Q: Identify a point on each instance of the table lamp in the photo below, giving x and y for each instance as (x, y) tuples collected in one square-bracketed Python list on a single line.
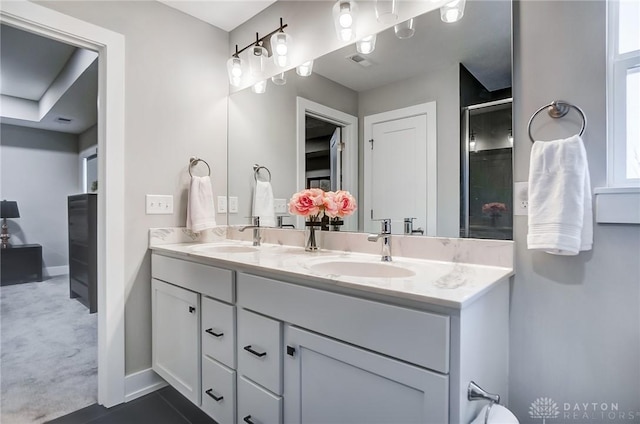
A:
[(8, 209)]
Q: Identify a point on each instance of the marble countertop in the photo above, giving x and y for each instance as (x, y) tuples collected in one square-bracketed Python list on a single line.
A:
[(449, 284)]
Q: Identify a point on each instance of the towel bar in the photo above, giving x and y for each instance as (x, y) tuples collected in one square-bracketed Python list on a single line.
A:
[(193, 161), (256, 171), (558, 109)]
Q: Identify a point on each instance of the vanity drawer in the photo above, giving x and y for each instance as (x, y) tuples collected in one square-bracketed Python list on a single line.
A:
[(418, 337), (208, 280), (218, 391), (257, 405), (219, 331), (260, 349)]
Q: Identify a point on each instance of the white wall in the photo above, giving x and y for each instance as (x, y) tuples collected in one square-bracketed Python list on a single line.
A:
[(575, 321), (176, 107), (39, 170)]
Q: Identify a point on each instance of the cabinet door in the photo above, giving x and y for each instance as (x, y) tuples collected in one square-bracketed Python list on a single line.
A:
[(327, 381), (256, 405), (176, 342)]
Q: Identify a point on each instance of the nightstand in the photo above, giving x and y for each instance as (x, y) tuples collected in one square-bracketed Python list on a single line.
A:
[(21, 263)]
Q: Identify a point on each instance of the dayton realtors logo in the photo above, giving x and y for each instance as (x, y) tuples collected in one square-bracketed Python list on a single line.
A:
[(546, 408)]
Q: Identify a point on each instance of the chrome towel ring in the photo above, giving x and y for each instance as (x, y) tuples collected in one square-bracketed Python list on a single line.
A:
[(193, 161), (558, 109), (256, 172)]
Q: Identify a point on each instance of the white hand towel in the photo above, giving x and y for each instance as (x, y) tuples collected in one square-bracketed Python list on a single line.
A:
[(201, 213), (560, 215), (263, 204)]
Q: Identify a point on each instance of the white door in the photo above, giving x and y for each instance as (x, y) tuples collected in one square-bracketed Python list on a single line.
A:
[(397, 177), (329, 382), (335, 149)]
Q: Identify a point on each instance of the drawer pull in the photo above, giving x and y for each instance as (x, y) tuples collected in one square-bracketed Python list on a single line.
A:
[(216, 398), (214, 334), (258, 354), (192, 309), (247, 420)]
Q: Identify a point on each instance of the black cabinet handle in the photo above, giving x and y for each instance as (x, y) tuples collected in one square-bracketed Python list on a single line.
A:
[(247, 420), (214, 334), (216, 398), (258, 354), (192, 309)]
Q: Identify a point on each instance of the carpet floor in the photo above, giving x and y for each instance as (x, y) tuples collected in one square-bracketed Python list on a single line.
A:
[(48, 360)]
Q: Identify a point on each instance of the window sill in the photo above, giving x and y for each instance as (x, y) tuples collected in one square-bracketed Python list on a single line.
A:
[(617, 205)]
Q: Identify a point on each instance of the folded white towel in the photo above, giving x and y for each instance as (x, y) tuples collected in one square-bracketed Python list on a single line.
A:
[(560, 215), (263, 204), (201, 213)]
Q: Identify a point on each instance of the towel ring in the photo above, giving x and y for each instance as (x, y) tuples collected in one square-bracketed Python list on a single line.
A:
[(256, 171), (558, 109), (193, 161)]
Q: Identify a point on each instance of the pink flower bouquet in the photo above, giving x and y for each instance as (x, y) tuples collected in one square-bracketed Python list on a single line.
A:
[(494, 208), (313, 203)]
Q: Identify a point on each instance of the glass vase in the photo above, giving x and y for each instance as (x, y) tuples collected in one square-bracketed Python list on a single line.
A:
[(312, 235)]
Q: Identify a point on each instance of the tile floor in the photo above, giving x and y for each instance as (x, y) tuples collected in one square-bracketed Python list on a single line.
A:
[(164, 406)]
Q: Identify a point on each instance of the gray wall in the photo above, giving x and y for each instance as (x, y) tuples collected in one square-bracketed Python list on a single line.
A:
[(176, 107), (441, 87), (262, 129), (39, 171), (88, 138), (575, 321)]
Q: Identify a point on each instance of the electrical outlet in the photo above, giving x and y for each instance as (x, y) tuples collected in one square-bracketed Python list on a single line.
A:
[(158, 204), (280, 205), (233, 204), (222, 204), (521, 198)]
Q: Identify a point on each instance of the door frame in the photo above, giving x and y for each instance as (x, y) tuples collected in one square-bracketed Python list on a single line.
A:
[(349, 124), (428, 109), (110, 46)]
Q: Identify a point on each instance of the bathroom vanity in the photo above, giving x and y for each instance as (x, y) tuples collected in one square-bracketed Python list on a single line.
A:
[(271, 334)]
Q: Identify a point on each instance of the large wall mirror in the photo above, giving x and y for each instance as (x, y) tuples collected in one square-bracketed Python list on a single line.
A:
[(388, 126)]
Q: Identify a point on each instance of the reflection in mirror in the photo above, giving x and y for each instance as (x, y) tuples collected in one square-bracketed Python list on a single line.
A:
[(408, 95)]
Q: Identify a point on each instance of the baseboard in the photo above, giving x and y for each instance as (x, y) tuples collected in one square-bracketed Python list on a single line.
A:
[(141, 383), (53, 271)]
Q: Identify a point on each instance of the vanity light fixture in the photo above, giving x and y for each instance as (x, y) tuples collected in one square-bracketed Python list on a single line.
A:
[(405, 29), (345, 17), (305, 69), (279, 79), (386, 11), (452, 12), (280, 45), (366, 45), (260, 87)]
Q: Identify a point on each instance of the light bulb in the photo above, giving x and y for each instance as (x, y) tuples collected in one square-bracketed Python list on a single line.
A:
[(234, 69), (305, 69), (345, 18), (452, 11), (280, 43), (260, 87), (366, 45)]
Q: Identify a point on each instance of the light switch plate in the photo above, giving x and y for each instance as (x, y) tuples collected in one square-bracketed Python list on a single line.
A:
[(280, 205), (233, 204), (159, 204), (222, 204), (521, 198)]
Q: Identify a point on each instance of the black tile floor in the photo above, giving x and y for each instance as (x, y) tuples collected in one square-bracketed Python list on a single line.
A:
[(164, 406)]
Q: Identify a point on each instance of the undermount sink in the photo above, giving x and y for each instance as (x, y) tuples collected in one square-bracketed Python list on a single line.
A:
[(361, 269), (225, 248)]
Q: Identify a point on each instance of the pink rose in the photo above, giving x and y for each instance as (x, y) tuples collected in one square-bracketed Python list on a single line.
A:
[(306, 202), (330, 204), (346, 203)]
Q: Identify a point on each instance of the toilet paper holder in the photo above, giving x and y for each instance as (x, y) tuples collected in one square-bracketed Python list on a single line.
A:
[(475, 392)]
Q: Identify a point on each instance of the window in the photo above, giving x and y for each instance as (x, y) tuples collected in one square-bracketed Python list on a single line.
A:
[(624, 93)]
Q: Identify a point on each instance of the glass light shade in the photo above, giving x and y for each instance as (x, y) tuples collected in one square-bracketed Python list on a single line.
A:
[(234, 69), (366, 45), (345, 18), (260, 87), (257, 55), (405, 29), (453, 11), (305, 69), (280, 45), (279, 79), (386, 11)]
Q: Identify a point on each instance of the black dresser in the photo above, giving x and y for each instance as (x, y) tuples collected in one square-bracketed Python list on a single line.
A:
[(20, 263), (83, 255)]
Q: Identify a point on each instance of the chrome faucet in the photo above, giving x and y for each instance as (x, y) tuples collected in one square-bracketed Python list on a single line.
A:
[(385, 235), (408, 227), (281, 224), (256, 230)]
